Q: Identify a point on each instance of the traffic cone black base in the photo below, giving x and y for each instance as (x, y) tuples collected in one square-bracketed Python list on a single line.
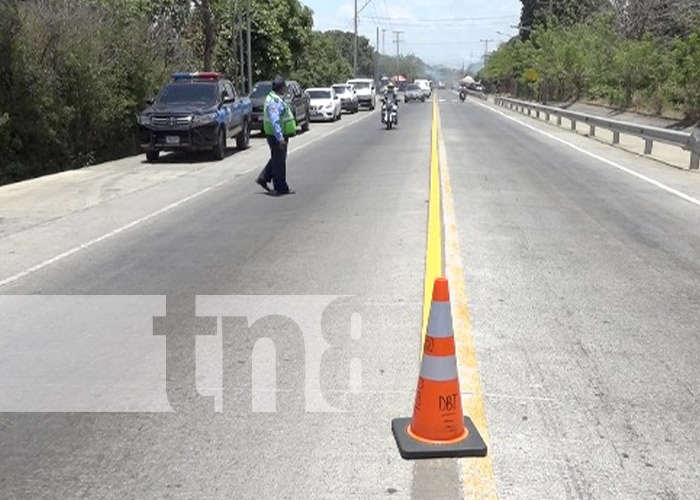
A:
[(410, 449)]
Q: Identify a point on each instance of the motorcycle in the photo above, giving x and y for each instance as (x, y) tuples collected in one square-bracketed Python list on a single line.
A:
[(390, 116), (462, 95)]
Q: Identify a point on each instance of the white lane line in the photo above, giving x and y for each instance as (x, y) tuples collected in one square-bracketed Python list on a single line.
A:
[(107, 236), (602, 159), (137, 222)]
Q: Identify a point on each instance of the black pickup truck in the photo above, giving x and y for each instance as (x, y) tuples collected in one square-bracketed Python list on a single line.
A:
[(195, 112), (299, 101)]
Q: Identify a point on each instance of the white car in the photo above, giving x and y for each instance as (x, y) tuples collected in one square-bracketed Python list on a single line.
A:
[(348, 97), (325, 104), (365, 90), (425, 87)]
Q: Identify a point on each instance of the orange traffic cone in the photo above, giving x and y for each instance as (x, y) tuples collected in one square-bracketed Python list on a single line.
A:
[(438, 428)]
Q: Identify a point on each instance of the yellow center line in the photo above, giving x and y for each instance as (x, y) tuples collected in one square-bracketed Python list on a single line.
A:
[(477, 476), (433, 258)]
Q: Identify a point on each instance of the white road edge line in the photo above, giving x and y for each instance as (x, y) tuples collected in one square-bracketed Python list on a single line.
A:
[(137, 222), (602, 159)]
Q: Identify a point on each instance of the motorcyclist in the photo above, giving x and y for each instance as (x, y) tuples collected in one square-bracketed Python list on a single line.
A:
[(389, 98), (462, 92)]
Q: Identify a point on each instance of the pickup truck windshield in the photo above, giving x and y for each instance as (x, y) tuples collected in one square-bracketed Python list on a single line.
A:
[(189, 93), (341, 89), (361, 85), (319, 94), (261, 90), (413, 87)]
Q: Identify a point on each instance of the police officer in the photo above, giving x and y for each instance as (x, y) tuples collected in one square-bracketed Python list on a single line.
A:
[(389, 98), (279, 125)]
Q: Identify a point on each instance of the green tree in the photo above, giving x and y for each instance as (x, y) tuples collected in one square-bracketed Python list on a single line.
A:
[(345, 42), (321, 63)]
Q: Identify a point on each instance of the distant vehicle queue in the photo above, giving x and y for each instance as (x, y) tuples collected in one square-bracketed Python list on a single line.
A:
[(200, 111)]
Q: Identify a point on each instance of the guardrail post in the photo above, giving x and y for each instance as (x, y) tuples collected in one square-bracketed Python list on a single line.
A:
[(694, 143), (547, 116), (648, 146), (616, 137), (529, 111), (538, 113), (559, 120), (592, 134), (573, 124)]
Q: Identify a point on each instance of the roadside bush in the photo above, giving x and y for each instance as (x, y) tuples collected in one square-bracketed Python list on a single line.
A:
[(74, 74), (590, 59)]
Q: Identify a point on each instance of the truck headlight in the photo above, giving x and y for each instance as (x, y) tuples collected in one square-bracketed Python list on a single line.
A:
[(329, 105), (143, 119), (203, 119)]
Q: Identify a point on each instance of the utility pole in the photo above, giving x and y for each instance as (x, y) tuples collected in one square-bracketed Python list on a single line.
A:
[(383, 41), (354, 66), (241, 49), (376, 58), (486, 47), (397, 41), (250, 50)]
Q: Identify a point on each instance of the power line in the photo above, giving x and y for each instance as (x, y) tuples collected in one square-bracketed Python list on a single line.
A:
[(449, 19)]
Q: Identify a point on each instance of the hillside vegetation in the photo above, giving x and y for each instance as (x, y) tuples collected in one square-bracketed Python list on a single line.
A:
[(643, 54)]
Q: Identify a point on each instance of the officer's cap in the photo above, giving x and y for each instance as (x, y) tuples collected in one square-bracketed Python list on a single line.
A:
[(278, 83)]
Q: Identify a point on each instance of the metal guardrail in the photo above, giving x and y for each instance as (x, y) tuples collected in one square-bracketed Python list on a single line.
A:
[(684, 140)]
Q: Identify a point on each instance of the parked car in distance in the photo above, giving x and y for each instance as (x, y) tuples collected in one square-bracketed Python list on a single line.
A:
[(413, 93), (195, 112), (366, 91), (325, 104), (348, 97), (295, 97)]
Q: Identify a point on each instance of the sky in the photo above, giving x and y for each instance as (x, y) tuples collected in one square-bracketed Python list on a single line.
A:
[(447, 32)]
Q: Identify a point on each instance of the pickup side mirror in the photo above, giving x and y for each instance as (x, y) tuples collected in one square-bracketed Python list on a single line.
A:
[(150, 101), (229, 100)]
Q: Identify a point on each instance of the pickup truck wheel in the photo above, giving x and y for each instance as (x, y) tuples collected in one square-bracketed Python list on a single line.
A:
[(152, 156), (307, 120), (220, 148), (243, 137)]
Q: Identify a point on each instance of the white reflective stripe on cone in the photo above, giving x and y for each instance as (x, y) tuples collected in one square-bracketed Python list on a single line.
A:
[(440, 320), (438, 368)]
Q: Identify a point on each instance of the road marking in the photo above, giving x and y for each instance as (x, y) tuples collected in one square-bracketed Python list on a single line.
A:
[(107, 236), (433, 255), (477, 476), (602, 159), (138, 222)]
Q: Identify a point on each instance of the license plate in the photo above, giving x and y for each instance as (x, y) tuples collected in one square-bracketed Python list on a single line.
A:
[(172, 139)]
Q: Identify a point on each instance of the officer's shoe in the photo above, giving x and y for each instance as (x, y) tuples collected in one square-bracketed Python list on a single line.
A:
[(282, 193), (262, 184)]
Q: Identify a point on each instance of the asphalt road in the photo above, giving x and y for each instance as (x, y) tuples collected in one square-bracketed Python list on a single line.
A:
[(583, 285)]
